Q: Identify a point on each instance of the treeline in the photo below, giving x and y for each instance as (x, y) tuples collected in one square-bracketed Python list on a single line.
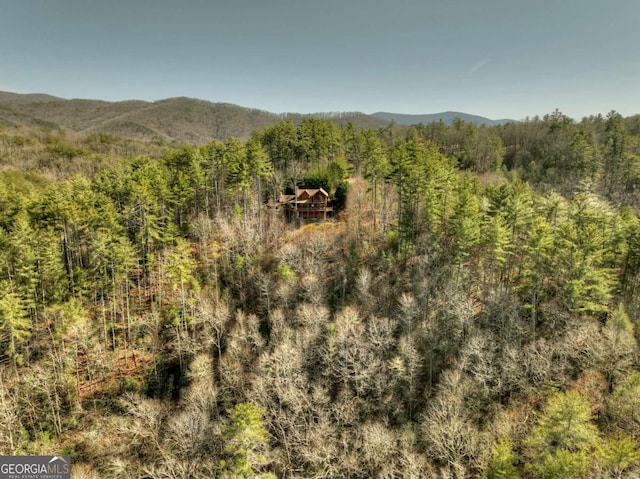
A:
[(472, 311)]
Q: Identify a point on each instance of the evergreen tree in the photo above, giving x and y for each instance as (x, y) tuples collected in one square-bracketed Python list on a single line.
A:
[(15, 325), (502, 460), (245, 443), (564, 436), (465, 223), (376, 170), (582, 243)]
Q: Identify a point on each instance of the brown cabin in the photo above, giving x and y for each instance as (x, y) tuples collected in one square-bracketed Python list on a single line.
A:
[(307, 205)]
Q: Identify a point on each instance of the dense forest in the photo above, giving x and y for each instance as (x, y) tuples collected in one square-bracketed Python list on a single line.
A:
[(471, 310)]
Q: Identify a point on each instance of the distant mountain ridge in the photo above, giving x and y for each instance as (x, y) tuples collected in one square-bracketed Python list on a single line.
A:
[(447, 117), (173, 119), (176, 119)]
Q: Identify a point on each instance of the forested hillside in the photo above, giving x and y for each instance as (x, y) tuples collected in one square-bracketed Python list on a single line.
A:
[(470, 311), (448, 117), (169, 120)]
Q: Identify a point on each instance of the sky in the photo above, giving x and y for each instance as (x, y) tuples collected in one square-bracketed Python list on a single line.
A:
[(496, 58)]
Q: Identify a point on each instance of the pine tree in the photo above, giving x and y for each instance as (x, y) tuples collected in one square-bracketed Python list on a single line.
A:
[(564, 436), (376, 170), (502, 460), (245, 443), (15, 325), (582, 243), (465, 223), (24, 262)]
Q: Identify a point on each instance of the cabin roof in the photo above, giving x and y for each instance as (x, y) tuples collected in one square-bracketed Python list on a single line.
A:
[(302, 195), (312, 192)]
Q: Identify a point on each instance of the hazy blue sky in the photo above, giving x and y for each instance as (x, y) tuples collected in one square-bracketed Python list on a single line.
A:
[(497, 58)]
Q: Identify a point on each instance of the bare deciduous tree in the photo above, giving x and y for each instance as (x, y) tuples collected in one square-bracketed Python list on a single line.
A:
[(451, 437)]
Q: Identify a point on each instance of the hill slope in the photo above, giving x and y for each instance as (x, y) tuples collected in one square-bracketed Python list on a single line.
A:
[(180, 119)]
